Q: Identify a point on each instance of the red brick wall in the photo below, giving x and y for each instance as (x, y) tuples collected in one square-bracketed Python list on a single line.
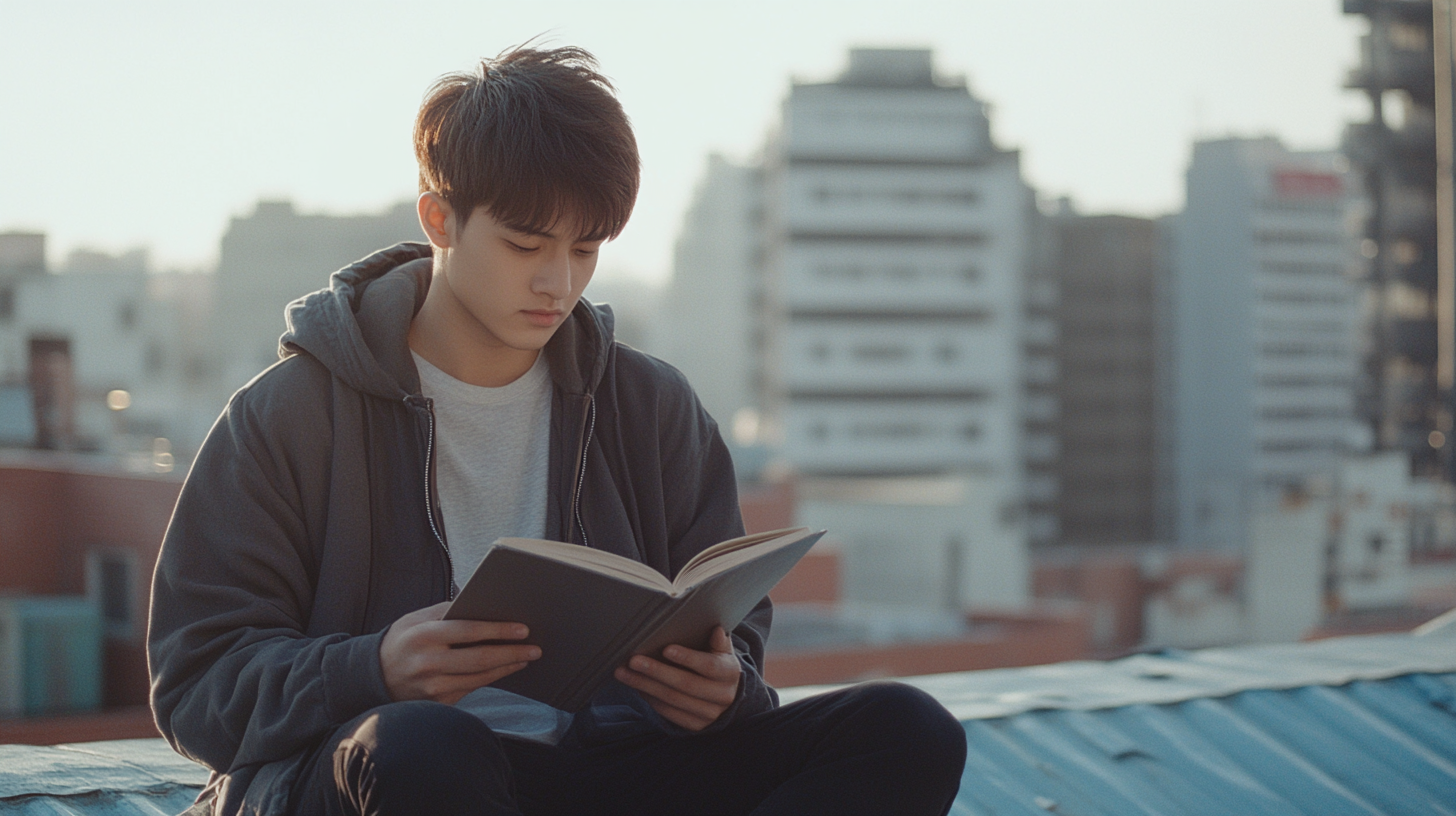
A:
[(1030, 639), (51, 517), (815, 578), (133, 722), (30, 531)]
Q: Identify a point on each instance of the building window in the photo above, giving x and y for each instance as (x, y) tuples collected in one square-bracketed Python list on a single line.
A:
[(1292, 236), (1301, 381), (1303, 413), (126, 316), (1296, 446), (1304, 350), (1288, 297), (1406, 37), (881, 354), (111, 583), (1319, 270), (841, 271), (888, 430)]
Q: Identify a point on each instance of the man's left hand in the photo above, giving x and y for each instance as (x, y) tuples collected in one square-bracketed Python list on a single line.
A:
[(695, 688)]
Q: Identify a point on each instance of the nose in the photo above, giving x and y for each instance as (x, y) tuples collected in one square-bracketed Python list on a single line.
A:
[(553, 276)]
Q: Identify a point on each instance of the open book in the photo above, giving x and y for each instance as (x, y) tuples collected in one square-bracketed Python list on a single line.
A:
[(590, 611)]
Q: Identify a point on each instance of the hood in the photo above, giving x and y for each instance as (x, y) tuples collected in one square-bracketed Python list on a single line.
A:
[(359, 327)]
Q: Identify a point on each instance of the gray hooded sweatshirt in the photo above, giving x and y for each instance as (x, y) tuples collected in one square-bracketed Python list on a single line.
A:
[(310, 522)]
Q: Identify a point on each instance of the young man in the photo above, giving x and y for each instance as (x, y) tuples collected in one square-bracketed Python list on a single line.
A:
[(434, 398)]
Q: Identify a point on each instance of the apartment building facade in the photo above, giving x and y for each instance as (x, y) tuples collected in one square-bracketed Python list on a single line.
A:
[(1266, 324)]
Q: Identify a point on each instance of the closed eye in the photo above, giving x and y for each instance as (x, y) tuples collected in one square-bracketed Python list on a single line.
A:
[(519, 248)]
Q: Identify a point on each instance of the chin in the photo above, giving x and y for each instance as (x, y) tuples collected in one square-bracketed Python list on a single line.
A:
[(529, 342)]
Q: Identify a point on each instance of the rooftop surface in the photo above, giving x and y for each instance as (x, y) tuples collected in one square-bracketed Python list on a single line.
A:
[(1360, 725)]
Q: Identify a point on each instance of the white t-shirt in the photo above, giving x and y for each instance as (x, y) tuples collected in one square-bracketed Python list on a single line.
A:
[(492, 448), (492, 455)]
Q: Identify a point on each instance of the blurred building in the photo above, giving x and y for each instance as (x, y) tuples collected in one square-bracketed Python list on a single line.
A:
[(275, 255), (79, 532), (861, 305), (863, 300), (896, 249), (1111, 275), (708, 320), (1265, 320), (634, 303), (90, 358), (1395, 155)]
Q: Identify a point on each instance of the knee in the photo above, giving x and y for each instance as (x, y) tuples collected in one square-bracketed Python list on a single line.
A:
[(911, 717), (417, 739)]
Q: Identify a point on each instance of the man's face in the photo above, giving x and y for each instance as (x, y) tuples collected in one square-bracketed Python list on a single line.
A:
[(516, 288)]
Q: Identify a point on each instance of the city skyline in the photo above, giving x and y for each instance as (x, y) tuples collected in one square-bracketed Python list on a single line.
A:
[(154, 126)]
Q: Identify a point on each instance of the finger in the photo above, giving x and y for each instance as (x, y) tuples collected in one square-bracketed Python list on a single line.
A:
[(677, 716), (462, 632), (720, 643), (451, 688), (479, 659), (691, 703), (713, 665), (653, 688), (688, 682)]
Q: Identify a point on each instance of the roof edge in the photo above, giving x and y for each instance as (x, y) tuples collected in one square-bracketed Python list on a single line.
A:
[(1177, 676)]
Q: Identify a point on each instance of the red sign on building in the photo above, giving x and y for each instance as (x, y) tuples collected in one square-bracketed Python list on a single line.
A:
[(1307, 184)]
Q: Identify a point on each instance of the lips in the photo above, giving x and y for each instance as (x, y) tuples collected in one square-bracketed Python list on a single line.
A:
[(545, 318)]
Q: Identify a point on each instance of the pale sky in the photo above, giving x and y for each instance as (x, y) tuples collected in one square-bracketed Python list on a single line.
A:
[(149, 123)]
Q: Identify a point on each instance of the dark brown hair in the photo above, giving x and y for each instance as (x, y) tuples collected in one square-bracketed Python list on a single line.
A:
[(533, 135)]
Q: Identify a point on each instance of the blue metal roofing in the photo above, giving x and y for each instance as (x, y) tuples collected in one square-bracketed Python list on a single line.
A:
[(120, 777), (1362, 725), (1371, 747)]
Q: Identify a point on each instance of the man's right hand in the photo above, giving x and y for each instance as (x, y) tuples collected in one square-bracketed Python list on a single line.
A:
[(419, 663)]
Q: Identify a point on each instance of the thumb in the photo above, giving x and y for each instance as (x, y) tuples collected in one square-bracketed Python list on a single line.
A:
[(720, 642)]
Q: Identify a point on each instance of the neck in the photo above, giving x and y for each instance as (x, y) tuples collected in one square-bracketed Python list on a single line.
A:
[(448, 336)]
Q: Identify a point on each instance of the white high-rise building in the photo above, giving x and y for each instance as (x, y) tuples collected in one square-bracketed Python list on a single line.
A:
[(862, 300), (1265, 326), (897, 244)]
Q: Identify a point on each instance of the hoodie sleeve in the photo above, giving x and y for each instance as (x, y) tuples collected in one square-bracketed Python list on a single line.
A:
[(703, 511), (235, 681)]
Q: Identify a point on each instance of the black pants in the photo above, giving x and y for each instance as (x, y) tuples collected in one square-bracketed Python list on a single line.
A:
[(877, 748)]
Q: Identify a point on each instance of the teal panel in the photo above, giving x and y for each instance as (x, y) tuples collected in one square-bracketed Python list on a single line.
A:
[(61, 644)]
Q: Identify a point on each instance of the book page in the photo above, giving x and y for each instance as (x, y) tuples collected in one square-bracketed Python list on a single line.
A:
[(729, 554), (595, 560)]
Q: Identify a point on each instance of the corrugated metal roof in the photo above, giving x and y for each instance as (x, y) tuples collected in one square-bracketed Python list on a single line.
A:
[(120, 777), (1362, 725), (1371, 747)]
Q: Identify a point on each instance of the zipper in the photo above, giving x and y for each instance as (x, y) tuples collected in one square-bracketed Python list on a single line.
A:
[(429, 494), (591, 427)]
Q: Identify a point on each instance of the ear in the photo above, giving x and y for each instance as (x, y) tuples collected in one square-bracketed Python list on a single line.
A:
[(436, 219)]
